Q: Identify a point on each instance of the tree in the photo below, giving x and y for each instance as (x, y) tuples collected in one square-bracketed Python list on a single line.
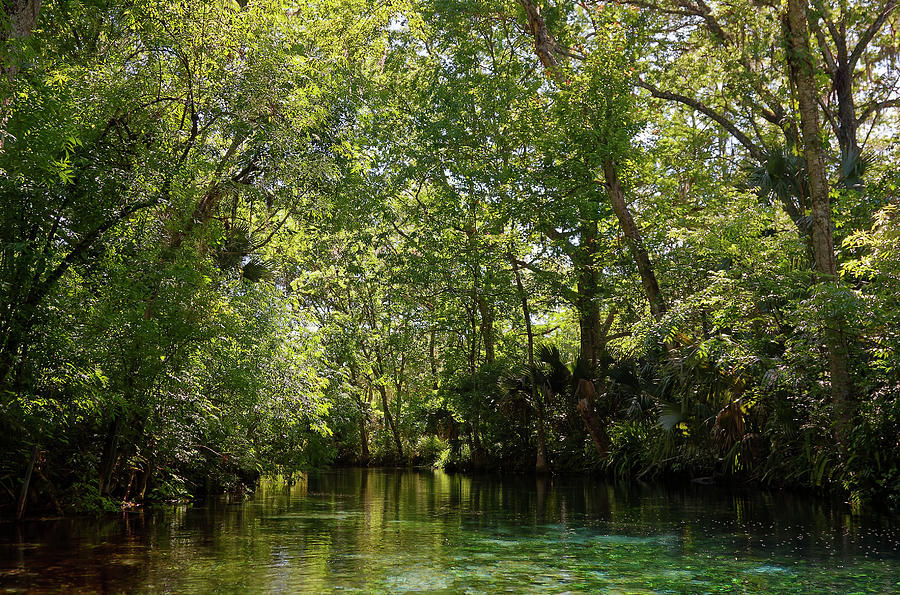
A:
[(823, 244)]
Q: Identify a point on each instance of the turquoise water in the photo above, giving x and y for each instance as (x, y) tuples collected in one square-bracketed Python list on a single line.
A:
[(378, 531)]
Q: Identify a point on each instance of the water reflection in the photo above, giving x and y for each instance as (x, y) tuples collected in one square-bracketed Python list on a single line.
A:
[(390, 531)]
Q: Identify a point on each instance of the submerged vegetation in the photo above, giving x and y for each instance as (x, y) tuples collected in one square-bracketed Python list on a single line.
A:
[(641, 238)]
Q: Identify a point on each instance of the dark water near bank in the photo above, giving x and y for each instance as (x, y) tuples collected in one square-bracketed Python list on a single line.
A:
[(385, 531)]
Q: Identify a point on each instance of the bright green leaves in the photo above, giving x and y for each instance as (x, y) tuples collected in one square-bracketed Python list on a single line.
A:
[(334, 204), (156, 158), (596, 98)]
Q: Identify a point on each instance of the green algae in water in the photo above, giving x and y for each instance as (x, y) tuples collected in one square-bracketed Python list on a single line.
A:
[(387, 532)]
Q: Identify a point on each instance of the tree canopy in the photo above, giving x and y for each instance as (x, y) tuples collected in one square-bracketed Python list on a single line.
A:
[(642, 238)]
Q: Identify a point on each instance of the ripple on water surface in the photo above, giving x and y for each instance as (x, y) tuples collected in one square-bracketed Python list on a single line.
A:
[(386, 531)]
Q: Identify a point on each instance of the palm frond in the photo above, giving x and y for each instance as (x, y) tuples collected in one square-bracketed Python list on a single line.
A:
[(853, 169), (257, 269)]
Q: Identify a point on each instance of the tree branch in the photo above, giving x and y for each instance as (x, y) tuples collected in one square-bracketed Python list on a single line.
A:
[(869, 33), (827, 56), (39, 291), (876, 106), (724, 122), (701, 9), (570, 294)]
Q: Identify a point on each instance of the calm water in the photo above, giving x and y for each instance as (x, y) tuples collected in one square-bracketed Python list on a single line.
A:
[(384, 531)]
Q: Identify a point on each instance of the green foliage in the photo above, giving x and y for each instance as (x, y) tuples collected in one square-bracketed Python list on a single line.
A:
[(431, 451), (630, 454), (85, 498), (249, 239)]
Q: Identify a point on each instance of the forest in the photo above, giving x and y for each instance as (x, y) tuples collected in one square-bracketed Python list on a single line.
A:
[(653, 240)]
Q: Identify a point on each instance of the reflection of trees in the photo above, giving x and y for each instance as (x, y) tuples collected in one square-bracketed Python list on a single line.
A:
[(364, 528)]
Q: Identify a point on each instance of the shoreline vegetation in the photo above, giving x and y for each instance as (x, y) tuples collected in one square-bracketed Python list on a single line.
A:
[(242, 492), (645, 240)]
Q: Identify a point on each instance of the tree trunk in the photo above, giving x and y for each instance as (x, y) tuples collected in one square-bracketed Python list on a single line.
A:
[(544, 43), (587, 303), (588, 323), (51, 490), (473, 344), (20, 17), (634, 240), (478, 458), (823, 243), (390, 422), (363, 439), (9, 352), (110, 454), (842, 66), (545, 47), (588, 314), (843, 88), (363, 426), (585, 394), (398, 406), (26, 483), (540, 465), (487, 328), (145, 481), (432, 358)]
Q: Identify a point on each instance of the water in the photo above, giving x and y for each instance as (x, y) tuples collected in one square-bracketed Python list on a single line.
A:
[(384, 531)]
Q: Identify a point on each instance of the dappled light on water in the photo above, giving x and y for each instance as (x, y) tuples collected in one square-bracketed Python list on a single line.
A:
[(402, 531)]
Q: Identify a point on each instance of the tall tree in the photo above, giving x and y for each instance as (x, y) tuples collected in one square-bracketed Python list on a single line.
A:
[(803, 73), (609, 138)]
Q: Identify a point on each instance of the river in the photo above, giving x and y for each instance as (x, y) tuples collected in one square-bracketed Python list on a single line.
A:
[(420, 531)]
